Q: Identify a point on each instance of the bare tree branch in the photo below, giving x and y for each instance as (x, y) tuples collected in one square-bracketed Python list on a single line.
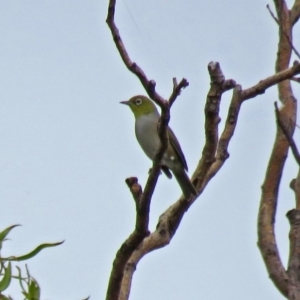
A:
[(222, 151), (212, 120), (286, 35), (171, 218), (281, 9), (135, 188), (294, 257), (214, 154), (272, 14), (142, 199), (177, 89), (124, 253), (149, 85), (294, 219), (295, 186), (268, 205), (295, 12), (261, 87), (285, 38), (266, 218)]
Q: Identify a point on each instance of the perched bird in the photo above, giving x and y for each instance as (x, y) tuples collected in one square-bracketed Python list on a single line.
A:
[(146, 131)]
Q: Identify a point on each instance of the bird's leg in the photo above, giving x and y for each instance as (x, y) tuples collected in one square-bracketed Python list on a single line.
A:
[(151, 170), (166, 171)]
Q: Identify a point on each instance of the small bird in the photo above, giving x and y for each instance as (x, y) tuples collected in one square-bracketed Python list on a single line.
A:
[(146, 131)]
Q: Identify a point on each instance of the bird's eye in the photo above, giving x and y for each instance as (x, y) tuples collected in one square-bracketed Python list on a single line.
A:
[(138, 101)]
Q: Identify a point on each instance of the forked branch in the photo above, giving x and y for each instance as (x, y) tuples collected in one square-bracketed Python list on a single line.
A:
[(142, 199), (267, 212), (214, 154)]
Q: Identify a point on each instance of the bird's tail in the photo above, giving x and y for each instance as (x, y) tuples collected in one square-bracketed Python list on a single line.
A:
[(186, 185)]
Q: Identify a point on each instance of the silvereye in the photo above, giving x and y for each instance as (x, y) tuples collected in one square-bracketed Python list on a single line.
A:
[(146, 131)]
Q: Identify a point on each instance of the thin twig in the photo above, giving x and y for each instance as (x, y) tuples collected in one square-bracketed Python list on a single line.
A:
[(292, 45), (177, 89), (272, 14), (149, 85), (296, 79), (287, 134)]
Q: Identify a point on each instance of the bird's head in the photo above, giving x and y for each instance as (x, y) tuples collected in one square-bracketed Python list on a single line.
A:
[(140, 105)]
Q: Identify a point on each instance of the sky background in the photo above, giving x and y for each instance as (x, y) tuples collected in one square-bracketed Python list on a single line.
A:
[(67, 145)]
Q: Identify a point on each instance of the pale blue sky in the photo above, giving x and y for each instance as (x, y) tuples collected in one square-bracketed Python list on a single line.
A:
[(66, 145)]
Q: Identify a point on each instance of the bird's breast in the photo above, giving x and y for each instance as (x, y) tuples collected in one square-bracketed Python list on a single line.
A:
[(147, 135)]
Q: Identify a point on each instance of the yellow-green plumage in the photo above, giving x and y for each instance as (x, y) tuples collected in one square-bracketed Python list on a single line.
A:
[(146, 122)]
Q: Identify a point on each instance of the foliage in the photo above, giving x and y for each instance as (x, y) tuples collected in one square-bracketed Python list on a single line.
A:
[(29, 286)]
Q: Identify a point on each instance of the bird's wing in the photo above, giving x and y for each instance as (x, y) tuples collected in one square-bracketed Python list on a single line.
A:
[(175, 144)]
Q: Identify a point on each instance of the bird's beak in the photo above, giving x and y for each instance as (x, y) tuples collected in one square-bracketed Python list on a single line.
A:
[(125, 102)]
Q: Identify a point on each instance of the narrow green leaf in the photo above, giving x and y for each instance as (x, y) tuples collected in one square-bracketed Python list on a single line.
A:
[(2, 266), (32, 253), (2, 297), (6, 231), (5, 282), (19, 277)]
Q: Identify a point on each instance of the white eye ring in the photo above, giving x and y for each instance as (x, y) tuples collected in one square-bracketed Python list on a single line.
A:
[(138, 101)]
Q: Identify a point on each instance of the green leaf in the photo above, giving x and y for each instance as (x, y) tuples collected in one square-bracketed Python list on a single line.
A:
[(2, 297), (5, 282), (34, 291), (5, 232), (26, 295), (32, 253)]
